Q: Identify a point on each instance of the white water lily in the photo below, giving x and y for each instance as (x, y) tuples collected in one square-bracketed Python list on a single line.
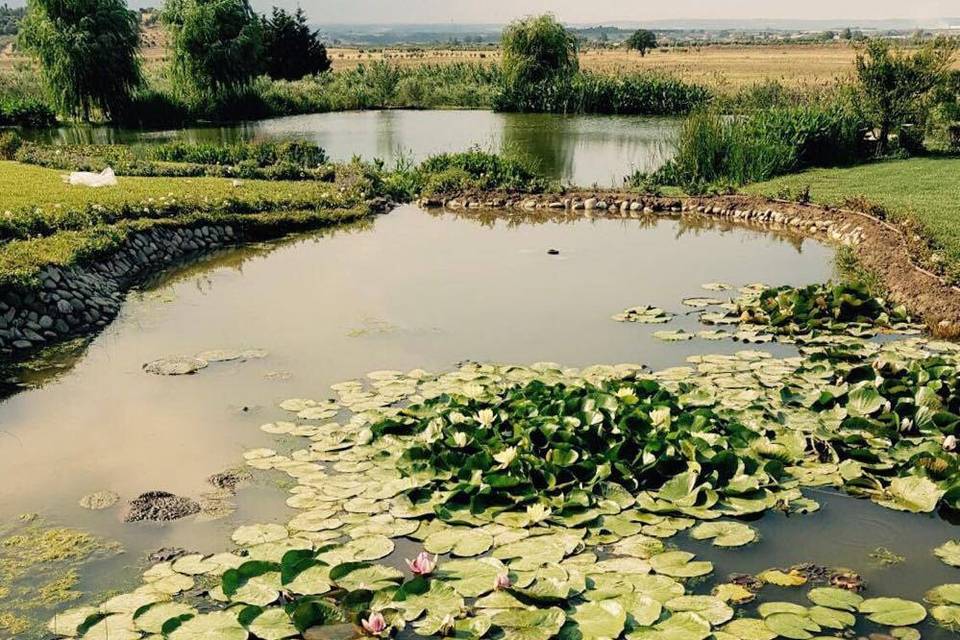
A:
[(624, 392), (433, 431), (538, 512), (455, 417), (485, 417), (460, 439), (950, 443), (506, 457), (661, 417)]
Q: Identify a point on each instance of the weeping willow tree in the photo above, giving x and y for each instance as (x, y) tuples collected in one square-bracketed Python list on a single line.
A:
[(539, 63), (88, 52)]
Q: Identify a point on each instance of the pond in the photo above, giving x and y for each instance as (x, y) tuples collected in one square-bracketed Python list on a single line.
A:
[(408, 290), (580, 149)]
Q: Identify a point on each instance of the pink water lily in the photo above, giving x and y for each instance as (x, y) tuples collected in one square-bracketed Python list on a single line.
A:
[(501, 582), (375, 625), (423, 565)]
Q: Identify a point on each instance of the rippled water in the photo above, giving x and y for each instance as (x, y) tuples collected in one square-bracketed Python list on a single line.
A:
[(411, 289), (580, 149)]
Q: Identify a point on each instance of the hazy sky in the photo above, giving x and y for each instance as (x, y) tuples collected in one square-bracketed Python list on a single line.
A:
[(594, 11)]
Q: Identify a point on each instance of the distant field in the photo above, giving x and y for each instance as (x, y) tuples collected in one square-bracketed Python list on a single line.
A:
[(712, 65)]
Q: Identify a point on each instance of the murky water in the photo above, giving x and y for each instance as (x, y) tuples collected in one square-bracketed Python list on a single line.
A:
[(580, 149), (411, 289)]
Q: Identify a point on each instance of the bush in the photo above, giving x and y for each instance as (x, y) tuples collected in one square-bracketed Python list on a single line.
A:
[(10, 142), (476, 170), (26, 112)]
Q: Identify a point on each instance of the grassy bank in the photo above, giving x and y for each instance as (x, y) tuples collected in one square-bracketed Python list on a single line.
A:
[(920, 190)]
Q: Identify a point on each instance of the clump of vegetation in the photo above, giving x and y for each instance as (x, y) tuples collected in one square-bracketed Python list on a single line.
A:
[(26, 112), (291, 49), (88, 53), (476, 170), (10, 143), (541, 73), (898, 87), (642, 41), (715, 149)]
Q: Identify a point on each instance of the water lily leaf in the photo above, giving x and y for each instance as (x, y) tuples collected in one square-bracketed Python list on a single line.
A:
[(642, 609), (893, 612), (781, 579), (601, 620), (915, 494), (472, 578), (724, 534), (118, 626), (679, 626), (947, 616), (440, 600), (734, 593), (459, 541), (710, 608), (749, 629), (218, 625), (152, 618), (949, 552), (193, 565), (660, 588), (259, 590), (790, 625), (905, 633), (312, 581), (472, 628), (865, 400), (674, 336), (701, 302), (638, 546), (835, 598), (944, 594), (679, 564), (644, 315), (832, 618), (361, 575), (621, 565), (536, 624), (66, 622), (254, 534), (272, 624), (770, 608)]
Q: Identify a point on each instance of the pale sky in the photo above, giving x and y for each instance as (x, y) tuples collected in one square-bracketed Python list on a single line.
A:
[(596, 11)]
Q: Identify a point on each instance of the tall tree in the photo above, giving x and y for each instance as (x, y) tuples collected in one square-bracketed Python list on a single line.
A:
[(897, 85), (217, 44), (291, 49), (536, 50), (642, 40), (88, 53)]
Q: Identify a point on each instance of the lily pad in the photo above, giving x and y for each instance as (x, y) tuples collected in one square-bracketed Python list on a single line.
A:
[(603, 620), (463, 542), (680, 564), (915, 494), (949, 552), (217, 625), (894, 612), (272, 624), (835, 598), (724, 534)]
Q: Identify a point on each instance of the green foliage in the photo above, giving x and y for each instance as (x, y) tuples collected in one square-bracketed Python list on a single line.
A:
[(476, 170), (642, 40), (26, 112), (88, 53), (897, 86), (382, 80), (536, 50), (10, 143), (291, 49), (217, 44), (716, 149)]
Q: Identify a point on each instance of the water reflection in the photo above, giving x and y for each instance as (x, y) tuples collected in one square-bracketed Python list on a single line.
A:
[(579, 149)]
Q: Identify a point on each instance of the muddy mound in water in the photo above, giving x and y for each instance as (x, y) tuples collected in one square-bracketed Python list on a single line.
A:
[(160, 506)]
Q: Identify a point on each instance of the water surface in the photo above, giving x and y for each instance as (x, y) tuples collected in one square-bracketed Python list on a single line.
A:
[(582, 149)]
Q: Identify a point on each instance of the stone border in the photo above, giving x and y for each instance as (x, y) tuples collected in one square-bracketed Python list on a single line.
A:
[(881, 248), (82, 299)]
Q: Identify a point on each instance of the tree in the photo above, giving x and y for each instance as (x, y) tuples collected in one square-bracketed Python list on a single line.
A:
[(897, 85), (382, 79), (642, 40), (88, 53), (217, 44), (291, 49), (536, 50)]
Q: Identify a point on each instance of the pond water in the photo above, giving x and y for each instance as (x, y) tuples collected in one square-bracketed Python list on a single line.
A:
[(409, 290), (580, 149)]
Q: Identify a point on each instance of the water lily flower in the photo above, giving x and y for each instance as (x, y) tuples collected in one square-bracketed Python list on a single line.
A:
[(485, 417), (447, 625), (375, 625), (950, 443), (538, 512), (506, 457), (661, 417), (433, 432), (460, 439), (455, 417), (502, 582), (423, 564)]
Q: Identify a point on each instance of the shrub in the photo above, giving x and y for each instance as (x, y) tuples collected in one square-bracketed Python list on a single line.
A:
[(26, 112), (10, 142), (476, 170)]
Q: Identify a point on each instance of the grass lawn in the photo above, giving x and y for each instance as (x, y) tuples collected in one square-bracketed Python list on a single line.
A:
[(926, 190), (23, 186)]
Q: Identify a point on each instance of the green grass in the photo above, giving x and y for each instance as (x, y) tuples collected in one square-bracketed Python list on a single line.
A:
[(23, 186), (924, 190)]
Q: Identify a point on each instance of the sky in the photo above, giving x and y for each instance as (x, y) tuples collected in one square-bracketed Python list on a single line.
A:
[(596, 11)]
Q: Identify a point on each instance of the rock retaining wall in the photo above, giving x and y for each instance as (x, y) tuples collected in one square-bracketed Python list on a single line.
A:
[(79, 300)]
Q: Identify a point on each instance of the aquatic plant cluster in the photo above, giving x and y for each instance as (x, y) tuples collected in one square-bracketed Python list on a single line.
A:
[(543, 501)]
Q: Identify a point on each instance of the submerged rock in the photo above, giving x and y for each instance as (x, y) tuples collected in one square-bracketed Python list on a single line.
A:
[(231, 479), (99, 500), (175, 366), (160, 506)]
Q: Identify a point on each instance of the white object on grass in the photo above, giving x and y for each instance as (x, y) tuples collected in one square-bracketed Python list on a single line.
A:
[(106, 178)]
